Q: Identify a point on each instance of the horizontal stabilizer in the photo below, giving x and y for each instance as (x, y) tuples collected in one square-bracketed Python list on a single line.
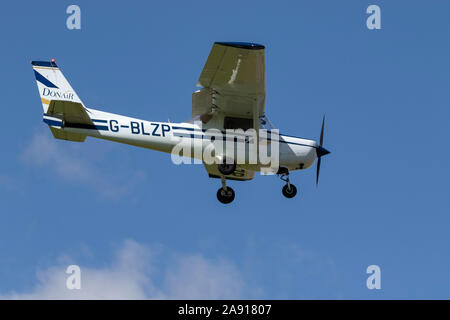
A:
[(61, 113), (72, 112), (56, 127), (70, 136)]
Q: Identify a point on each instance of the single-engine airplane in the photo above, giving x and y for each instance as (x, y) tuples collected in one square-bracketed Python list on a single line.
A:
[(231, 97)]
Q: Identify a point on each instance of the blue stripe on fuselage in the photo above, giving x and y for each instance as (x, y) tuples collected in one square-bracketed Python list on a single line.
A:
[(52, 122), (187, 135)]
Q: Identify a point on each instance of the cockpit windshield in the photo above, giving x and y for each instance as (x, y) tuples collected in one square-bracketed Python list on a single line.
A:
[(265, 123), (193, 120)]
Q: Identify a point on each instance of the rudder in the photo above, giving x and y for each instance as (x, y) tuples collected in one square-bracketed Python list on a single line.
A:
[(52, 84)]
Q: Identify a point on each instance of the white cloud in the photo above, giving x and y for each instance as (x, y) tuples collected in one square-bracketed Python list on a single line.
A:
[(194, 277), (43, 151), (70, 164), (134, 275)]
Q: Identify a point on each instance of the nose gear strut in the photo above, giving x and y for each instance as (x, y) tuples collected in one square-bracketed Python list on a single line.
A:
[(289, 190)]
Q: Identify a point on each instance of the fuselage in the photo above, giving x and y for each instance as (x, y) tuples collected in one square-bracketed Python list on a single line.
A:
[(293, 153)]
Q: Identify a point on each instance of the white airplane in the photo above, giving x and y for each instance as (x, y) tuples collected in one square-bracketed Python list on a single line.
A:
[(232, 96)]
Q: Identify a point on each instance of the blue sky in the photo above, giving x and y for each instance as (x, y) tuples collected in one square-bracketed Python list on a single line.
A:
[(141, 227)]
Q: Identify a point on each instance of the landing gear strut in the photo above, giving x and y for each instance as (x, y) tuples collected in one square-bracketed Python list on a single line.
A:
[(225, 194), (289, 190)]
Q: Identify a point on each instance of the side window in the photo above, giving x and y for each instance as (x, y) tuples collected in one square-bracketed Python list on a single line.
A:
[(237, 123)]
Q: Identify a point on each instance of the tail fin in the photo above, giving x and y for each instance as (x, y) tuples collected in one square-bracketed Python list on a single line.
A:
[(52, 84), (60, 102)]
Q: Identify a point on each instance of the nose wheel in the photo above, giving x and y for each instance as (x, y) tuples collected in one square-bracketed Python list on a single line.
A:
[(225, 194), (289, 190)]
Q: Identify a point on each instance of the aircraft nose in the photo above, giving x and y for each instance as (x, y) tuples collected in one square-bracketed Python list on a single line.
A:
[(321, 151)]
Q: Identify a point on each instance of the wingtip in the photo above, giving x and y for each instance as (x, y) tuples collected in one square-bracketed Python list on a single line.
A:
[(242, 45)]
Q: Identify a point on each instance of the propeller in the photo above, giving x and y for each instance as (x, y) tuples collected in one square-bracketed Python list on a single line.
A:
[(320, 151)]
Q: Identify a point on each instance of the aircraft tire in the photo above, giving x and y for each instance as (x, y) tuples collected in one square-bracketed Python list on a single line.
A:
[(289, 193), (226, 168), (225, 196)]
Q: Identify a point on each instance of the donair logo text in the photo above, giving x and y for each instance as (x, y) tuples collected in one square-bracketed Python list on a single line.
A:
[(56, 94)]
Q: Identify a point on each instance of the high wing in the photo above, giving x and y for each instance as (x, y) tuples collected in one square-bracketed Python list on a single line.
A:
[(233, 81)]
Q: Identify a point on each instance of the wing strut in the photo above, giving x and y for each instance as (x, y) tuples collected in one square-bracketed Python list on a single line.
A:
[(256, 126)]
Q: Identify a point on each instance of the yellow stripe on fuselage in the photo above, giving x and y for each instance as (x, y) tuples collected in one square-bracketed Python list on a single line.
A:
[(45, 101)]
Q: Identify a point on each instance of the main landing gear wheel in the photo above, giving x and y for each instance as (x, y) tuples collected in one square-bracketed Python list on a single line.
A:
[(225, 195), (289, 191), (226, 168)]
